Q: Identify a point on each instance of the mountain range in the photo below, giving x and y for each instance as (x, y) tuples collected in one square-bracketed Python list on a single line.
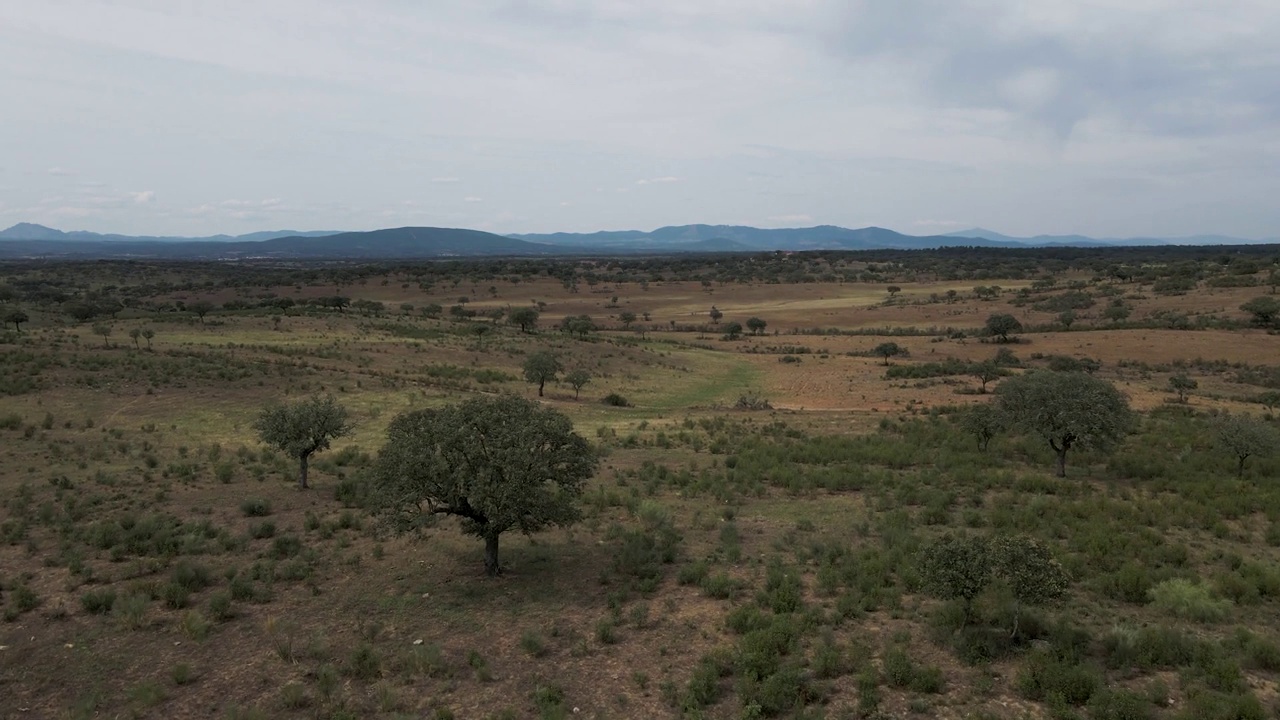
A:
[(27, 240)]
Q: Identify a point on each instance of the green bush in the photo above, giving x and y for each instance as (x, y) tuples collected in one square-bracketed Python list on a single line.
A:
[(1044, 676), (1120, 704), (98, 602), (255, 507), (1189, 600)]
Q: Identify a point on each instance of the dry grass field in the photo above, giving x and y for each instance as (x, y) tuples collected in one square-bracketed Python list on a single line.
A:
[(158, 561)]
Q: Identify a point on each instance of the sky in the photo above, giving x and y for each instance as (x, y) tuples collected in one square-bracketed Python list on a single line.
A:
[(1111, 118)]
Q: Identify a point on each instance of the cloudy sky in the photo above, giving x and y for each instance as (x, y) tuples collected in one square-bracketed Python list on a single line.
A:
[(1105, 117)]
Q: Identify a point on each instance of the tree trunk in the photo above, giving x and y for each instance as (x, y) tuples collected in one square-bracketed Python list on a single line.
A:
[(1240, 467), (541, 383), (302, 472), (1062, 462), (491, 566)]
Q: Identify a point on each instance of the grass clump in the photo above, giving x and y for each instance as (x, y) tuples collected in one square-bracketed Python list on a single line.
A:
[(1189, 600)]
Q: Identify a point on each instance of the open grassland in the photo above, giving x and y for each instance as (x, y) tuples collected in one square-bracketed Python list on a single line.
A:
[(751, 543)]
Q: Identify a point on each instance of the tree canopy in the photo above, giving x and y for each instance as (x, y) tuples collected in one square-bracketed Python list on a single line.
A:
[(525, 317), (1067, 409), (541, 367), (1002, 324), (302, 429), (1245, 436), (497, 463)]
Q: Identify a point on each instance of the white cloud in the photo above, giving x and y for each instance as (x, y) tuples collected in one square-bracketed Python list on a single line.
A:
[(143, 197), (57, 171), (472, 199), (651, 181)]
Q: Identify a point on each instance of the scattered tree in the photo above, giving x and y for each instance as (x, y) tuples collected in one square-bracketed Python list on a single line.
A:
[(104, 330), (1067, 409), (893, 290), (1182, 384), (983, 422), (1066, 318), (577, 379), (715, 315), (1264, 309), (302, 429), (756, 325), (525, 317), (1030, 571), (580, 325), (626, 319), (957, 567), (80, 312), (200, 308), (887, 350), (17, 317), (1245, 437), (985, 372), (732, 331), (134, 334), (148, 334), (541, 367), (1001, 324), (497, 463)]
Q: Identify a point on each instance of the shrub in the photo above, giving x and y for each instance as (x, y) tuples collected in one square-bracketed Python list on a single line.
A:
[(255, 507), (1119, 704), (98, 602), (1189, 600), (1044, 676), (615, 400)]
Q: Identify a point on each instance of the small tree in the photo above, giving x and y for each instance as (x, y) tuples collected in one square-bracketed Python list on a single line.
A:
[(541, 367), (957, 567), (715, 315), (1245, 437), (1066, 318), (893, 290), (134, 334), (1182, 384), (985, 372), (626, 319), (732, 331), (525, 317), (756, 325), (81, 312), (577, 378), (1264, 309), (887, 350), (302, 429), (983, 422), (17, 317), (496, 463), (148, 334), (200, 308), (104, 330), (1002, 324), (1067, 409), (1030, 571)]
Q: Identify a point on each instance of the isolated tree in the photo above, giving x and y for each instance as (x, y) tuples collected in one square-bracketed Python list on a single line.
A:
[(983, 422), (1269, 400), (1030, 571), (1066, 318), (104, 330), (525, 317), (497, 463), (732, 330), (200, 308), (626, 319), (715, 315), (580, 325), (893, 290), (1182, 384), (1116, 311), (985, 372), (17, 317), (577, 378), (756, 325), (1245, 436), (148, 334), (1067, 409), (302, 429), (1001, 324), (134, 334), (1273, 279), (887, 350), (957, 567), (1264, 309), (80, 312), (541, 367)]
